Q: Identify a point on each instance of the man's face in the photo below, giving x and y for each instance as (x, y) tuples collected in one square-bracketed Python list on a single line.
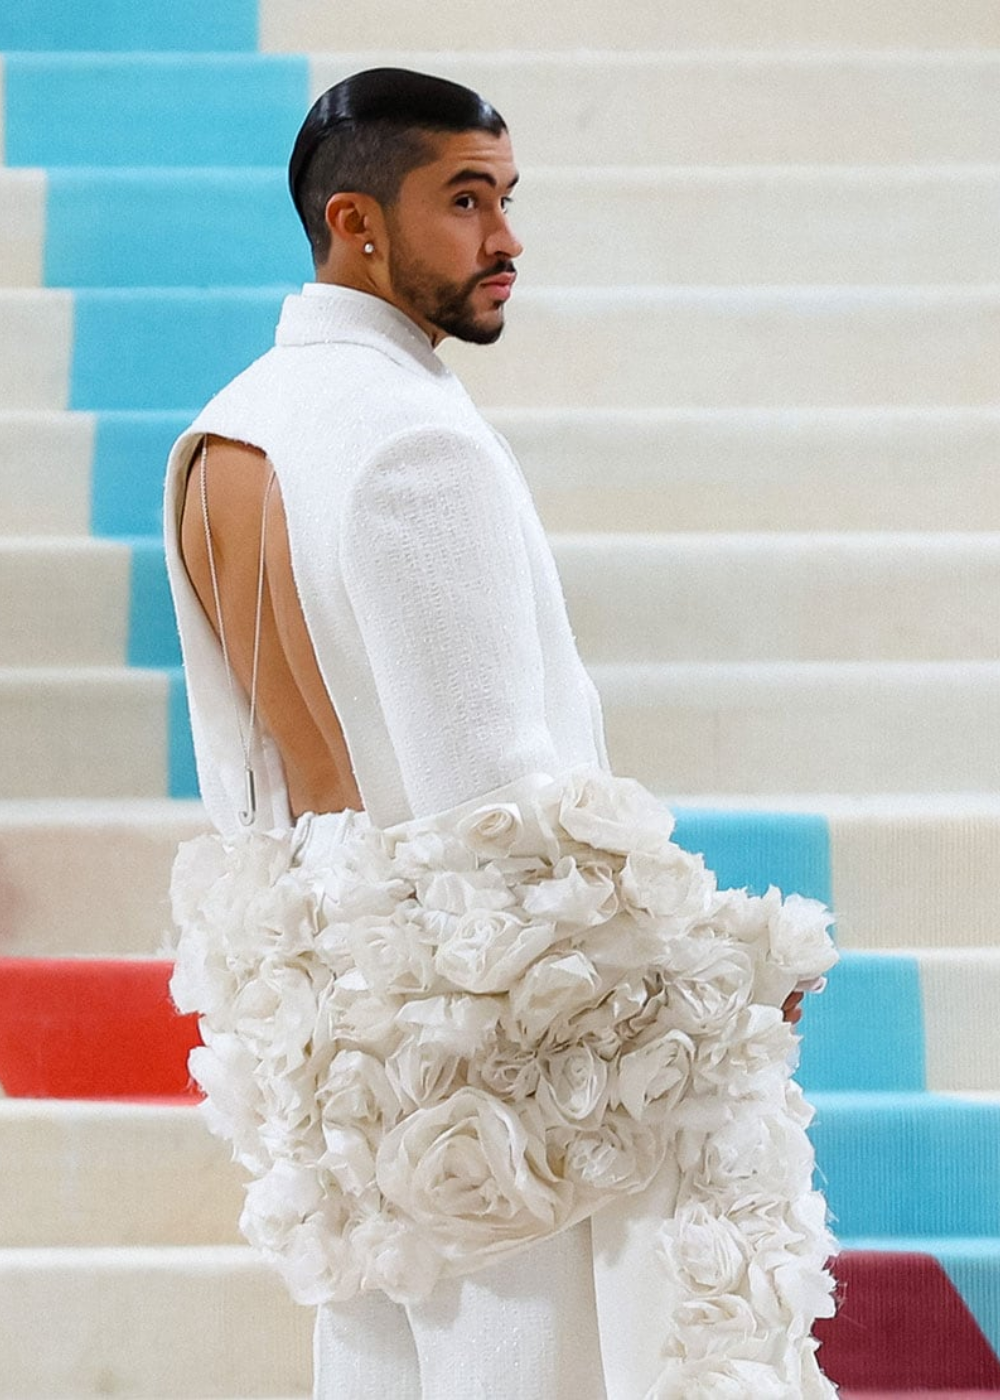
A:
[(451, 247)]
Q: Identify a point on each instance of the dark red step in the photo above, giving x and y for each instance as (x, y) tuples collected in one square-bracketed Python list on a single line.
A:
[(901, 1325)]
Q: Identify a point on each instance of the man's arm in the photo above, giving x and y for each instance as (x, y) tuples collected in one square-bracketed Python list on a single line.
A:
[(435, 565)]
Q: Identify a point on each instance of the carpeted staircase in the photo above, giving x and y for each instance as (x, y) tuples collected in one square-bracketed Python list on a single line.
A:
[(752, 373)]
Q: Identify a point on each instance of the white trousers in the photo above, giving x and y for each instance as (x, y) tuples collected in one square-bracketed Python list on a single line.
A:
[(524, 1328)]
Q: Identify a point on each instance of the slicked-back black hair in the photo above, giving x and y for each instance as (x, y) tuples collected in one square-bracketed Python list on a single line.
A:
[(368, 132)]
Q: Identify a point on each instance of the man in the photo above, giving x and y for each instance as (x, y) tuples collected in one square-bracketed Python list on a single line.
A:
[(442, 1035)]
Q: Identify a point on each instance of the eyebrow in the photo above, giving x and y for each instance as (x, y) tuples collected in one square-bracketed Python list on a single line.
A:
[(465, 177)]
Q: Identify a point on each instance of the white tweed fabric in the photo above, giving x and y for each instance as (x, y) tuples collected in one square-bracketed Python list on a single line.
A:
[(425, 577)]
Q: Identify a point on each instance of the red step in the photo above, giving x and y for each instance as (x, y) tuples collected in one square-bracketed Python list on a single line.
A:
[(901, 1325), (93, 1028)]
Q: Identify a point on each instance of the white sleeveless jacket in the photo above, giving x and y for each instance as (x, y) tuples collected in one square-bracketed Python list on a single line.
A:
[(425, 578)]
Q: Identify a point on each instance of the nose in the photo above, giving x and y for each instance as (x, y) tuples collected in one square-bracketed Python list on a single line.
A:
[(503, 241)]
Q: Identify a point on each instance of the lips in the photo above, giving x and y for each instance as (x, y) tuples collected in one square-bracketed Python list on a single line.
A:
[(500, 286)]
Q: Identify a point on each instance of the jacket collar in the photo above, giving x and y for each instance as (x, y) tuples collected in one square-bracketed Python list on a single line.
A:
[(323, 314)]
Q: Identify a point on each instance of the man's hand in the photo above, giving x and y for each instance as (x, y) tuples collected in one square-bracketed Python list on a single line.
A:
[(792, 1009)]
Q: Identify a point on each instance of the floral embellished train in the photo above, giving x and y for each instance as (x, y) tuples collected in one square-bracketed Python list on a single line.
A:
[(438, 1042)]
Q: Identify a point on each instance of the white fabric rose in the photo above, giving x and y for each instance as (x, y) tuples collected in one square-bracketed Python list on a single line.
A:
[(566, 896), (621, 1154), (706, 1252), (421, 1073), (488, 950), (391, 954), (470, 1173), (613, 814), (657, 1072), (554, 988), (668, 884), (492, 830), (396, 1260), (574, 1085)]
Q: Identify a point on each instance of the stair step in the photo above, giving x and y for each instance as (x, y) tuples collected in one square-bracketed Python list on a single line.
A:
[(886, 1021), (88, 1028), (649, 108), (22, 227), (66, 602), (791, 107), (901, 870), (88, 1173), (88, 732), (194, 1322), (916, 1313), (89, 877), (98, 227), (293, 25), (699, 347), (631, 598), (298, 25), (601, 470), (789, 597), (122, 25), (689, 347), (813, 726), (900, 1165)]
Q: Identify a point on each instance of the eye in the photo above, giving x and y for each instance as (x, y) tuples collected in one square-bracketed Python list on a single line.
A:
[(506, 202), (465, 201)]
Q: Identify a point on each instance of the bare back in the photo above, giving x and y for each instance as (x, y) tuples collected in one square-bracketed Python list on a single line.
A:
[(292, 699)]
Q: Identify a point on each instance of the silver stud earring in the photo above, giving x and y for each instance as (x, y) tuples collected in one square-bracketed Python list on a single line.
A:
[(369, 248)]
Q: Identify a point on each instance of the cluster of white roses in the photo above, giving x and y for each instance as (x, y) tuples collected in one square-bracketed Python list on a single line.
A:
[(437, 1042)]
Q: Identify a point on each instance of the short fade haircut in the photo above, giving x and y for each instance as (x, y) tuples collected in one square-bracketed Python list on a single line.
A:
[(367, 133)]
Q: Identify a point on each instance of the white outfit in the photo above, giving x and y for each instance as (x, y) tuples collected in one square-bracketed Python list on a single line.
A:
[(444, 1033)]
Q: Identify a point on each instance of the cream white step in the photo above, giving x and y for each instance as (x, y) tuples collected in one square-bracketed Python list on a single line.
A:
[(813, 727), (961, 992), (124, 1174), (66, 602), (22, 227), (702, 347), (700, 225), (293, 26), (710, 108), (648, 597), (908, 869), (186, 1323), (760, 597), (89, 732), (89, 877), (759, 225), (36, 340), (760, 469), (643, 347), (641, 469), (45, 460)]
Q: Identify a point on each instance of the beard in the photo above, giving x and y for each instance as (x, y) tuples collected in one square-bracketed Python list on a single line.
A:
[(445, 304)]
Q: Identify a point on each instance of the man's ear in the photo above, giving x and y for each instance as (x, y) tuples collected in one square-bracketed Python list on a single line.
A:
[(354, 220)]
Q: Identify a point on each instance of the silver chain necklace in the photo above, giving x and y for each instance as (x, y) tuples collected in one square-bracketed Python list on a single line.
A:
[(248, 814)]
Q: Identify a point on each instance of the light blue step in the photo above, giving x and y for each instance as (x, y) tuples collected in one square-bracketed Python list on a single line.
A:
[(124, 25), (166, 349), (908, 1164), (224, 227), (152, 109), (127, 470), (865, 1033), (152, 632)]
